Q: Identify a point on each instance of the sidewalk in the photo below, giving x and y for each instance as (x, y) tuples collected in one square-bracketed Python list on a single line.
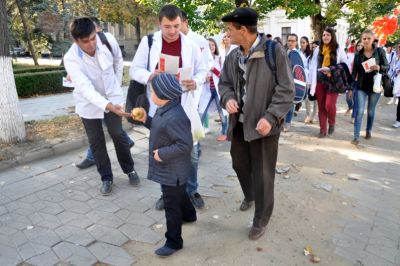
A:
[(341, 200)]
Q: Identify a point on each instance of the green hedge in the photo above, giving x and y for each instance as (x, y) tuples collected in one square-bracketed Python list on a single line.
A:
[(29, 84), (37, 69)]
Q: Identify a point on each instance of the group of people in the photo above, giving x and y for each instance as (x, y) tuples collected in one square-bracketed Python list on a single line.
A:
[(252, 95)]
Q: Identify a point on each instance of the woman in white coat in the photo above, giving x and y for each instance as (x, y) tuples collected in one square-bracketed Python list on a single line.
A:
[(210, 97), (327, 54)]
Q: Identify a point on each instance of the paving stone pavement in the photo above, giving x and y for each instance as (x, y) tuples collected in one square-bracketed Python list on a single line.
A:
[(51, 212)]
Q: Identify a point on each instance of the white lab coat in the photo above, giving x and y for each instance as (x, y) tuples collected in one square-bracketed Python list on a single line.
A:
[(206, 94), (191, 57), (341, 58), (97, 79)]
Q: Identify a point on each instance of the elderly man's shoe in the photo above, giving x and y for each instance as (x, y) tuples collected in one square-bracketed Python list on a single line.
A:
[(133, 178), (256, 232), (85, 164), (246, 205), (106, 188)]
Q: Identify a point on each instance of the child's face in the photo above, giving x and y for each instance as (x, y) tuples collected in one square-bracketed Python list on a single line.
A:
[(157, 101)]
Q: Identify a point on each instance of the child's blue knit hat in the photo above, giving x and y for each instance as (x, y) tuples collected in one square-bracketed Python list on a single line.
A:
[(166, 86)]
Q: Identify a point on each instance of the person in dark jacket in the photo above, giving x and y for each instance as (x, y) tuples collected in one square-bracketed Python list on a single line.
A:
[(257, 102), (365, 92), (170, 145)]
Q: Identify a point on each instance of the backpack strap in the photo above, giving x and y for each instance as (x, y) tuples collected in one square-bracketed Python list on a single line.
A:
[(104, 40), (270, 57), (149, 44)]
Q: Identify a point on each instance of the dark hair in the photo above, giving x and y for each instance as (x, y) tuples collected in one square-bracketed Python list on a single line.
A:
[(333, 46), (216, 46), (279, 40), (184, 15), (171, 12), (96, 21), (82, 28), (316, 43), (269, 35), (294, 35), (308, 51), (251, 29)]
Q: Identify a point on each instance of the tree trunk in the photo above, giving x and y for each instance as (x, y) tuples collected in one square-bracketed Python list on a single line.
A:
[(27, 32), (138, 31), (317, 27), (12, 128)]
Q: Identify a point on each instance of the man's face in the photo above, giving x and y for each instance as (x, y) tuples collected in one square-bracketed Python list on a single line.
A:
[(292, 42), (170, 28), (88, 44), (235, 35)]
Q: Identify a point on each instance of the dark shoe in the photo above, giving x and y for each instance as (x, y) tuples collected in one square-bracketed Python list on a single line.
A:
[(165, 251), (133, 178), (106, 188), (85, 164), (131, 144), (160, 204), (246, 205), (355, 142), (191, 220), (197, 200), (331, 129), (256, 232), (368, 135), (321, 135)]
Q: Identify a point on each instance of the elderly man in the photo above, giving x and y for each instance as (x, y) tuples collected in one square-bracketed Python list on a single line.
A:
[(257, 100)]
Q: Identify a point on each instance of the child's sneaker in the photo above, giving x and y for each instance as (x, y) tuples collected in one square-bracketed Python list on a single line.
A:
[(396, 124)]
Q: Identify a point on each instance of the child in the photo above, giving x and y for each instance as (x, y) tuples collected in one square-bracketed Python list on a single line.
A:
[(170, 145)]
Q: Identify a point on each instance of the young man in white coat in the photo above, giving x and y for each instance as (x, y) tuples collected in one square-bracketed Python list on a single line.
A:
[(97, 75), (169, 40)]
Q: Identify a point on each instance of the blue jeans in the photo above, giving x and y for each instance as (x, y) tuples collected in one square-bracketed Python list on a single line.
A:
[(373, 99), (89, 153), (289, 115), (355, 103), (192, 184), (214, 97)]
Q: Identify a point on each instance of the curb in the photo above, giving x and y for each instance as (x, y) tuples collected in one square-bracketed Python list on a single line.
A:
[(46, 152), (57, 149)]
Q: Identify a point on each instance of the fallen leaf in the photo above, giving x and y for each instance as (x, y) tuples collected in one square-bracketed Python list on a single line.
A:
[(308, 250), (259, 249), (314, 259)]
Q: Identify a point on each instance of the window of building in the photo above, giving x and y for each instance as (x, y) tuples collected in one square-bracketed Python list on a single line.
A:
[(285, 33)]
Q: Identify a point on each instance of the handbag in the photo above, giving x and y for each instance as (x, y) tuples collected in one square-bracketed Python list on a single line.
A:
[(377, 88), (386, 81), (137, 92), (194, 117)]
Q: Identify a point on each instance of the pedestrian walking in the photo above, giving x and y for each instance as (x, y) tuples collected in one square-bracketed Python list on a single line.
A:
[(365, 92), (257, 101)]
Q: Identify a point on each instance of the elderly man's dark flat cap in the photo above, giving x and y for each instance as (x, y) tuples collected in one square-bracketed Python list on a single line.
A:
[(243, 15)]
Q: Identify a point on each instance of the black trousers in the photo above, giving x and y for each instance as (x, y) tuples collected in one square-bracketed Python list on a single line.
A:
[(178, 208), (95, 134), (254, 163), (398, 110)]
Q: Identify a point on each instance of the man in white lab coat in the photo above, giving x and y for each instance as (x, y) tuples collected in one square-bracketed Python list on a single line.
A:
[(97, 76), (170, 41)]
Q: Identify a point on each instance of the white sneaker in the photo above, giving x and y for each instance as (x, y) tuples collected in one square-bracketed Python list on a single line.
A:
[(391, 101), (397, 101), (396, 124)]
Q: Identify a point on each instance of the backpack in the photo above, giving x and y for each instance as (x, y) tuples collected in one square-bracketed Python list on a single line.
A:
[(270, 57), (137, 96), (103, 39)]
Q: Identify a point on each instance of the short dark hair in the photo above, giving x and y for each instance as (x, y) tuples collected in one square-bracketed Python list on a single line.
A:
[(171, 12), (82, 28), (294, 35), (269, 35), (184, 16), (251, 29), (96, 21)]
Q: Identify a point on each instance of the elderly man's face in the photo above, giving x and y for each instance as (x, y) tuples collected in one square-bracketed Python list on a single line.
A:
[(235, 35)]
